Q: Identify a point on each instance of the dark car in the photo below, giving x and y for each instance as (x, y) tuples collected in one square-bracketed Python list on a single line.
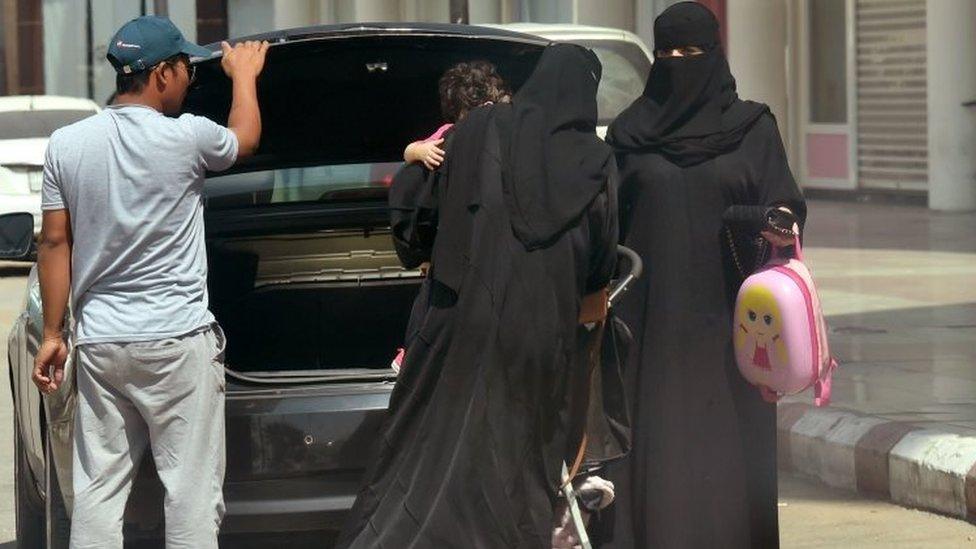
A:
[(303, 279)]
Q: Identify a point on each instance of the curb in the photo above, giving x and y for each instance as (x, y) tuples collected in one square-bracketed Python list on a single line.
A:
[(896, 461)]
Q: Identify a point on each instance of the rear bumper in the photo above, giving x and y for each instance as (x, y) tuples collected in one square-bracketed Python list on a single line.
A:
[(295, 459), (290, 505)]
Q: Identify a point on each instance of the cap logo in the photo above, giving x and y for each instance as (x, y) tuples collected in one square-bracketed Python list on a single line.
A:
[(122, 44)]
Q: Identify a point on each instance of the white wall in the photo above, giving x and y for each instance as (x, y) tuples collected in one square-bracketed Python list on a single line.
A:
[(609, 13), (184, 16), (757, 32), (348, 11), (65, 48), (951, 81), (429, 11), (645, 11), (485, 11), (247, 17), (254, 16)]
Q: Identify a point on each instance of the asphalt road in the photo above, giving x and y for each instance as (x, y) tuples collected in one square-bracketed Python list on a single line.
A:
[(811, 515)]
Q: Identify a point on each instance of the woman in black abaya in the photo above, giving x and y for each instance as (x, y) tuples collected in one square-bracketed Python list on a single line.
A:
[(526, 225), (702, 471)]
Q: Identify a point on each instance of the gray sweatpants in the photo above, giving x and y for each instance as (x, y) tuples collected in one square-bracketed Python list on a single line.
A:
[(167, 395)]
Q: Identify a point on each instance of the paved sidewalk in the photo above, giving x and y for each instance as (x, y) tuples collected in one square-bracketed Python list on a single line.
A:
[(898, 285)]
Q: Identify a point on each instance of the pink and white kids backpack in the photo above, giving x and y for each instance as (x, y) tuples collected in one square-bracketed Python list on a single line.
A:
[(780, 335)]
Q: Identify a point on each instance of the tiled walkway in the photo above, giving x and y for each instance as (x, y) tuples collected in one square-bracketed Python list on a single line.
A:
[(899, 287)]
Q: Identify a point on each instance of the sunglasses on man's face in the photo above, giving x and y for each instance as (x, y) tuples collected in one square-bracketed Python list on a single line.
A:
[(191, 69)]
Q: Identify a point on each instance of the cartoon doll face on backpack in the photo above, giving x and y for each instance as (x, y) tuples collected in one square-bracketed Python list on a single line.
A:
[(758, 331)]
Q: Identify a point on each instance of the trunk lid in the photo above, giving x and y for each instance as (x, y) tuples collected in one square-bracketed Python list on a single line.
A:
[(338, 106)]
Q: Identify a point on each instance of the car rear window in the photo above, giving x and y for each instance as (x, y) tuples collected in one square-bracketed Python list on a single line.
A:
[(326, 184), (34, 124)]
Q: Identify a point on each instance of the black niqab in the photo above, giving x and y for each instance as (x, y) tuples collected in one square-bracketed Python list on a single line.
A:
[(702, 470), (689, 110), (557, 164)]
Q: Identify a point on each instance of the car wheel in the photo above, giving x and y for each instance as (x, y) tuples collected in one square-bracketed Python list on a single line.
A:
[(30, 506)]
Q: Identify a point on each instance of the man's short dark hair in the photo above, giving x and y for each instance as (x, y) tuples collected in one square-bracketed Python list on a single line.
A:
[(467, 86), (137, 81)]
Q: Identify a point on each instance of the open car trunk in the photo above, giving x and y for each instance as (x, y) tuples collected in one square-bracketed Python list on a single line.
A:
[(297, 306), (303, 276), (321, 326)]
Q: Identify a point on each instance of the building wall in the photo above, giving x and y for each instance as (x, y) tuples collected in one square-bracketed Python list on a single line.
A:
[(23, 46), (757, 51), (3, 49)]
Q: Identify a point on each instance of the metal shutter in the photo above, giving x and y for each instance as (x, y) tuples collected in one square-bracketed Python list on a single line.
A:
[(892, 126)]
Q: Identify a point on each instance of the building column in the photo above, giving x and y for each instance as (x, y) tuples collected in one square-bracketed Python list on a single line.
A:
[(485, 11), (609, 13), (7, 48), (951, 41), (211, 21), (23, 46), (367, 11), (756, 37)]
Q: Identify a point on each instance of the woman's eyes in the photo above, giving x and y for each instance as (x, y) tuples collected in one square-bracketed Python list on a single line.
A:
[(752, 316), (768, 320), (686, 51)]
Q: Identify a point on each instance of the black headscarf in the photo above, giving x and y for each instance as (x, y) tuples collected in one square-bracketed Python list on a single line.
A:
[(555, 164), (689, 111)]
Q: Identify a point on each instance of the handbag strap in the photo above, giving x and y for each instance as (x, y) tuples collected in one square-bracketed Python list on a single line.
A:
[(762, 248), (797, 246)]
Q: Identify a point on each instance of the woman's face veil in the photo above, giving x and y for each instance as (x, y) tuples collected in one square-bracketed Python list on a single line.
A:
[(689, 110)]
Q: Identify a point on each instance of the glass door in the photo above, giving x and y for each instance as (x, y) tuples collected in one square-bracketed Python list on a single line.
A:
[(827, 95)]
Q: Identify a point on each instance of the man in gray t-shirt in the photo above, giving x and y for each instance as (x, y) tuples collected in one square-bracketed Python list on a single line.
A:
[(123, 231)]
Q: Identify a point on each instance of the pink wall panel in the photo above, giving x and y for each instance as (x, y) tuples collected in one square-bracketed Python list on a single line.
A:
[(827, 155)]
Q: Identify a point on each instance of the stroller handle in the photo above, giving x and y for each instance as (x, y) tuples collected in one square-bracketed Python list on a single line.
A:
[(636, 268)]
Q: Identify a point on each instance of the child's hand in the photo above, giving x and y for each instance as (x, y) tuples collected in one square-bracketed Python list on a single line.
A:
[(429, 153)]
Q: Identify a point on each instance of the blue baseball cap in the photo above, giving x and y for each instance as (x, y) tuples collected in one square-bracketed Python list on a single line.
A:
[(146, 41)]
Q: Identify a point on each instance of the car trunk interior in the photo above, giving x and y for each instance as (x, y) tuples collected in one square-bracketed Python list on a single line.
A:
[(334, 300)]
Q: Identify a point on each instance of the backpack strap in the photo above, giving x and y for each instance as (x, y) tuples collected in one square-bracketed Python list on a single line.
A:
[(768, 394), (796, 242), (822, 388), (797, 246)]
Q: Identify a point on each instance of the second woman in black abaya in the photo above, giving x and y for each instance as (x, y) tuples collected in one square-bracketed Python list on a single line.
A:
[(702, 471), (525, 226)]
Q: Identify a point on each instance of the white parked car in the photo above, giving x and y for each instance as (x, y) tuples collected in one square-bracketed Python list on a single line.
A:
[(625, 58), (26, 123)]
